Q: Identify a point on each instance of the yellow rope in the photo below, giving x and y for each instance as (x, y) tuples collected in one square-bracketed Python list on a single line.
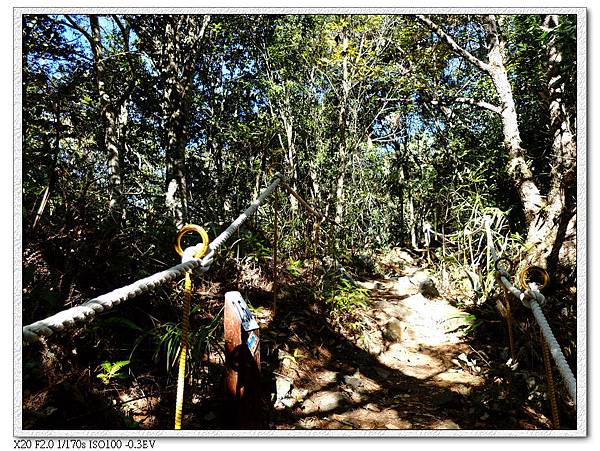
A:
[(550, 382), (511, 342), (185, 323), (184, 346), (509, 324)]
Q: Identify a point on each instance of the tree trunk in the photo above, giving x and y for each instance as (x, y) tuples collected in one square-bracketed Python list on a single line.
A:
[(553, 227), (518, 168), (547, 220), (285, 117), (174, 117), (180, 47), (287, 121), (316, 188), (51, 170), (412, 221), (110, 118), (343, 129)]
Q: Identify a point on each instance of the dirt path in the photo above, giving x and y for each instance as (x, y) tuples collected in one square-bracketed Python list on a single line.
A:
[(407, 368)]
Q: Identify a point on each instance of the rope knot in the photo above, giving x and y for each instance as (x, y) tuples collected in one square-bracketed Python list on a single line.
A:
[(532, 294), (189, 252), (207, 260)]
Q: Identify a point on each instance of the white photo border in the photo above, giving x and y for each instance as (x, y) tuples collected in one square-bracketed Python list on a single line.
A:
[(582, 322)]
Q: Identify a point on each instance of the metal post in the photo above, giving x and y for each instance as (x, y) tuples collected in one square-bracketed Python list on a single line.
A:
[(243, 400)]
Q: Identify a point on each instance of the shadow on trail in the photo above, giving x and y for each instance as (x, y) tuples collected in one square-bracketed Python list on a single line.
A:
[(408, 402)]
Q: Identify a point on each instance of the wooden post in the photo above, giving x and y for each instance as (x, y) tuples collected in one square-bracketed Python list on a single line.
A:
[(315, 244), (275, 239), (243, 400)]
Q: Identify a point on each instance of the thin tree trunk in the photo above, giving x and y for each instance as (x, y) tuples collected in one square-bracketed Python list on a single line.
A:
[(403, 178), (110, 118), (518, 168), (51, 173), (343, 129), (287, 121), (177, 66)]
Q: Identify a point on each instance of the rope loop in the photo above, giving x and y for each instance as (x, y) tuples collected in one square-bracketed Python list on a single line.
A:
[(500, 269), (532, 294), (533, 289)]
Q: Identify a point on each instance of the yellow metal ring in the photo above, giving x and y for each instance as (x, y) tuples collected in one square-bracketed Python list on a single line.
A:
[(539, 270), (192, 228)]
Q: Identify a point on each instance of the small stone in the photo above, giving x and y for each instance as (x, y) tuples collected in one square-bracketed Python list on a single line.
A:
[(309, 406), (299, 393), (373, 342), (353, 381), (393, 330), (328, 400), (372, 407), (419, 277), (288, 402), (283, 388), (405, 286), (428, 289)]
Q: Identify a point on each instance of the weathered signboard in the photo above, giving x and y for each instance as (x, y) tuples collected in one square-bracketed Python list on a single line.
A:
[(243, 402)]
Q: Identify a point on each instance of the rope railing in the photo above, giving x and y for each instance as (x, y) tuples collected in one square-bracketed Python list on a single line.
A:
[(533, 299), (88, 310)]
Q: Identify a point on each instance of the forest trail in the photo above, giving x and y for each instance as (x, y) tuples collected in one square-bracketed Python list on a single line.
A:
[(409, 367)]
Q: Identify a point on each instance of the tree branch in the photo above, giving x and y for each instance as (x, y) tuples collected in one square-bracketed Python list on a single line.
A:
[(452, 43), (469, 101), (75, 26), (447, 101), (125, 33)]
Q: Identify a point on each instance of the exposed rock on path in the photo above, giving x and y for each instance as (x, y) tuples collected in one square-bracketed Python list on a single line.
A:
[(402, 371)]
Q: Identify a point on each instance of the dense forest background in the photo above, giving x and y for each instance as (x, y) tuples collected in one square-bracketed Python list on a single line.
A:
[(403, 130), (134, 125)]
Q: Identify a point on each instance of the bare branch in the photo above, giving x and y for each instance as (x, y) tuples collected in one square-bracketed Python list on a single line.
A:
[(125, 34), (444, 102), (452, 43), (194, 53), (469, 101), (75, 26)]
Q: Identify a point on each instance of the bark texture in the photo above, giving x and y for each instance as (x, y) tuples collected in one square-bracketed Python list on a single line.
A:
[(552, 232)]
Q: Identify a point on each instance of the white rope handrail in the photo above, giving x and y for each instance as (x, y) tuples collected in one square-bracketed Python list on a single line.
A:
[(533, 298), (88, 310)]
